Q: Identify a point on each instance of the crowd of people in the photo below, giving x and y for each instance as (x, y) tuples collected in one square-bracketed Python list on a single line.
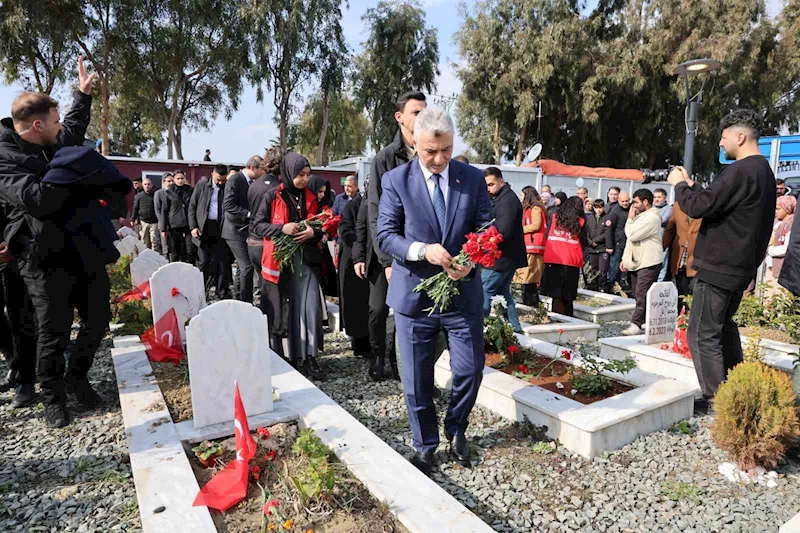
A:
[(60, 205)]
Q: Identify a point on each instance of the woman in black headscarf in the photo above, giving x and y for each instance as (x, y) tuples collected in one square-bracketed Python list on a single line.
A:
[(295, 309), (322, 190), (559, 198)]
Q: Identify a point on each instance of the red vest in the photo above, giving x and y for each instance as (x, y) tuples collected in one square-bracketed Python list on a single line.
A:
[(270, 269), (535, 242), (563, 248)]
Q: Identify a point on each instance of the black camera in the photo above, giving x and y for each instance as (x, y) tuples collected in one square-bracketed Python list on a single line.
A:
[(660, 174)]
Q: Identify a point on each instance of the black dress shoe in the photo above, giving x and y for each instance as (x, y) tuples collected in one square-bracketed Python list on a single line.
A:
[(24, 396), (83, 391), (459, 449), (314, 370), (376, 368), (56, 415), (423, 462)]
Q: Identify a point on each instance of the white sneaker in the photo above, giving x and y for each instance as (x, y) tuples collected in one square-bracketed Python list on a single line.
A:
[(633, 329)]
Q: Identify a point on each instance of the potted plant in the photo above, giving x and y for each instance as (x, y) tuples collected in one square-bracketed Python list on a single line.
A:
[(207, 453)]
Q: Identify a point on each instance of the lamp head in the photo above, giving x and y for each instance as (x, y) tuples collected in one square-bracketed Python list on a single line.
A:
[(697, 66)]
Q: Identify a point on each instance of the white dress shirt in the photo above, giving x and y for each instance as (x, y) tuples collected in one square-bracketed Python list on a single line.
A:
[(444, 185), (213, 207)]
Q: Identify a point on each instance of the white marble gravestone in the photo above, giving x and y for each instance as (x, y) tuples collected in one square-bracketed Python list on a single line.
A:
[(124, 231), (228, 341), (661, 313), (191, 297), (130, 245), (144, 265)]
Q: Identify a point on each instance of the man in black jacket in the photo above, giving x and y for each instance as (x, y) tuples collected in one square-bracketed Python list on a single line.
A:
[(38, 241), (235, 228), (206, 217), (144, 215), (377, 267), (507, 211), (174, 222), (737, 209), (790, 272), (616, 217), (596, 254), (255, 245)]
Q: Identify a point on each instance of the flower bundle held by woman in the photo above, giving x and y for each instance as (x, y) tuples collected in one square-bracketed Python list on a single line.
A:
[(285, 246), (481, 248)]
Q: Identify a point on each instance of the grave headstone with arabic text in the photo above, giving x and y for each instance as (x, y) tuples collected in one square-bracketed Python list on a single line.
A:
[(228, 341), (189, 295), (661, 315)]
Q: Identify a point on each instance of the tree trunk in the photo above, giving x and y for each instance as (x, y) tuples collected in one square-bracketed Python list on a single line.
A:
[(496, 143), (105, 113), (178, 140), (284, 113), (521, 146), (173, 119), (324, 132)]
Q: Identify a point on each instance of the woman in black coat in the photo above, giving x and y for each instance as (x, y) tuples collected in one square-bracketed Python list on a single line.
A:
[(329, 283), (354, 291)]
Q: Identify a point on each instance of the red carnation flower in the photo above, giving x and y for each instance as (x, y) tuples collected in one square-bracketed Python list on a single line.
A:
[(566, 354), (263, 433), (175, 292), (561, 331), (269, 506), (513, 348), (271, 455), (522, 368)]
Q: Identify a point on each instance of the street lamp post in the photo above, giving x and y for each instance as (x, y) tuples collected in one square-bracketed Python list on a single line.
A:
[(685, 69)]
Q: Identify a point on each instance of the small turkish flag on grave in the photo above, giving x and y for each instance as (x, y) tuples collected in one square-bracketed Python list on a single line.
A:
[(229, 486), (141, 292), (167, 345)]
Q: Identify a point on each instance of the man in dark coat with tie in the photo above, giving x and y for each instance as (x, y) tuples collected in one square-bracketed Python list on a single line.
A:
[(206, 218), (427, 208), (235, 228)]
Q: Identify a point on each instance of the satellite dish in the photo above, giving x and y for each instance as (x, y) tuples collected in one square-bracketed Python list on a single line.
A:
[(579, 182), (534, 153)]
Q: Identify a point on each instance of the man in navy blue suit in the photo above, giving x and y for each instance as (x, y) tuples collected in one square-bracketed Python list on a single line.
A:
[(427, 207)]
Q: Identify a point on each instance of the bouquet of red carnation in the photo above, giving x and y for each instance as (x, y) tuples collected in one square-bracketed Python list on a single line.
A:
[(480, 249), (286, 246), (331, 224)]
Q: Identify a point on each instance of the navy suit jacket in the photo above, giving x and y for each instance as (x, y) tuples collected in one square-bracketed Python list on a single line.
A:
[(406, 216)]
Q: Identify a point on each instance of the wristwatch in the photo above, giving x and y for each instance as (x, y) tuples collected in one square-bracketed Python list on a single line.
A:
[(421, 253)]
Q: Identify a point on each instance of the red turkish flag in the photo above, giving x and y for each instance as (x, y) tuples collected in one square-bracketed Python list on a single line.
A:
[(167, 345), (229, 486), (141, 292)]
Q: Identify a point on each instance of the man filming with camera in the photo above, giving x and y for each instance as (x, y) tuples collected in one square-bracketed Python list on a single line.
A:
[(737, 210)]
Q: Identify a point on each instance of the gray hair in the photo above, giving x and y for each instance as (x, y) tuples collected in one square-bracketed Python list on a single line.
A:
[(433, 120), (351, 177), (254, 161)]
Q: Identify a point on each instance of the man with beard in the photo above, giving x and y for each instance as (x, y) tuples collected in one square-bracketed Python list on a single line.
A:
[(737, 209)]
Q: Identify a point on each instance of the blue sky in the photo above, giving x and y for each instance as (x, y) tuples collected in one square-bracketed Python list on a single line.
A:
[(252, 127)]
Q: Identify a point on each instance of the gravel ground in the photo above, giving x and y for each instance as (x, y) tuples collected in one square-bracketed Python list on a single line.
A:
[(72, 479), (667, 481)]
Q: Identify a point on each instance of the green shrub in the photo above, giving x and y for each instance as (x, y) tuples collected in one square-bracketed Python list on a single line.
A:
[(588, 378), (755, 416), (750, 313), (119, 276), (136, 315), (318, 478)]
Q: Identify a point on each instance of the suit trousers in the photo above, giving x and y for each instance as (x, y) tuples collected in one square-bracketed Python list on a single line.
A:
[(18, 330), (378, 311), (180, 245), (713, 335), (55, 293), (243, 283), (213, 259), (417, 336)]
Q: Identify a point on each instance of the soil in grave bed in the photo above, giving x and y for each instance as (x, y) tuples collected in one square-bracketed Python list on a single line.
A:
[(174, 383), (766, 333), (348, 508), (558, 372), (592, 302), (533, 318)]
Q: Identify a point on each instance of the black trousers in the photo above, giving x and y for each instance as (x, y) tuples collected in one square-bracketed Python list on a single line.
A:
[(272, 302), (641, 280), (213, 259), (18, 330), (180, 245), (243, 284), (55, 292), (713, 335), (378, 311)]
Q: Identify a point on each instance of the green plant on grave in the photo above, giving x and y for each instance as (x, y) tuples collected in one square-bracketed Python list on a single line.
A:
[(538, 315), (206, 449), (119, 276), (752, 350), (750, 313), (544, 448), (136, 315), (498, 335), (318, 478), (588, 378), (680, 490), (755, 416)]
